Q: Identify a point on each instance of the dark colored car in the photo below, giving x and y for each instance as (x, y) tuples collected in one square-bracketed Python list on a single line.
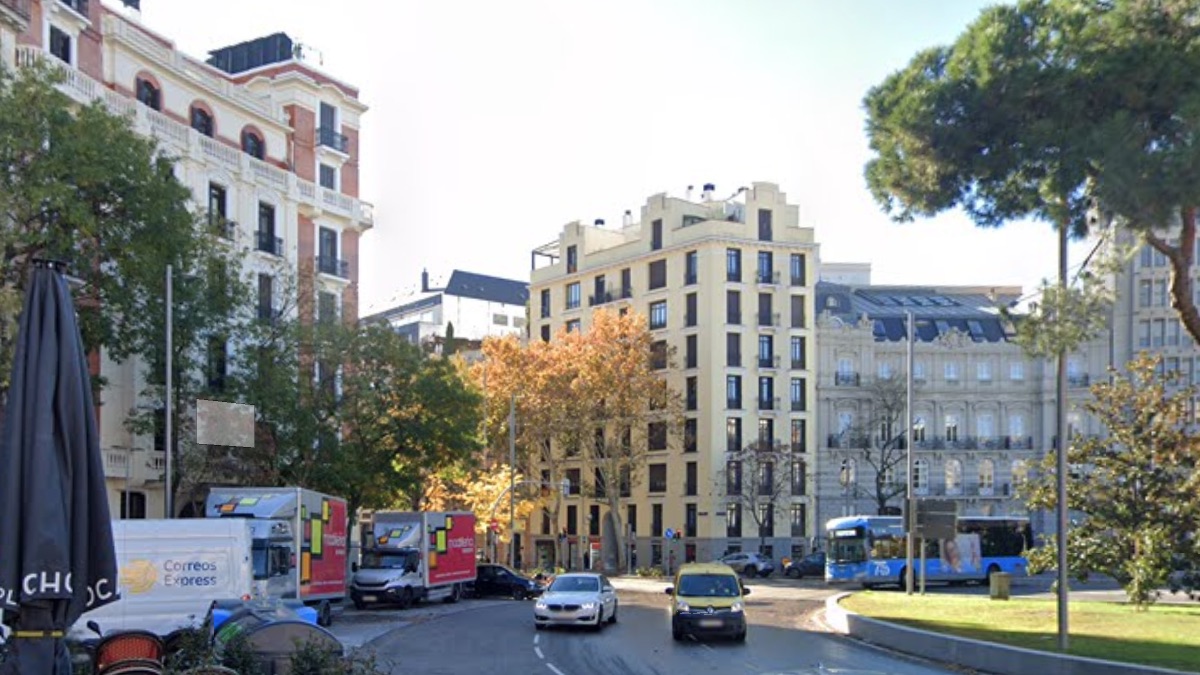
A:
[(499, 580), (811, 565)]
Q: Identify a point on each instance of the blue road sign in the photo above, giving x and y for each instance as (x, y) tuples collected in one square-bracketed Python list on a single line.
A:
[(669, 534)]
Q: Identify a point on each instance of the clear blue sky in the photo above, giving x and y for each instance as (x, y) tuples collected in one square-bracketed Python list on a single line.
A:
[(492, 124)]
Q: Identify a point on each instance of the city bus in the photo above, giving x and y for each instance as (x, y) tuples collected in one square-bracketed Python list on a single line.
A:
[(870, 550)]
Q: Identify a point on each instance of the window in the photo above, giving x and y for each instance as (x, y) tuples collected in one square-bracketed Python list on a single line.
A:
[(799, 520), (733, 264), (202, 121), (799, 436), (573, 326), (987, 477), (690, 483), (766, 517), (545, 303), (572, 260), (1016, 426), (60, 45), (1016, 371), (133, 504), (658, 274), (656, 239), (691, 435), (327, 307), (954, 477), (848, 475), (626, 283), (148, 94), (733, 307), (1020, 472), (499, 319), (733, 392), (919, 371), (766, 267), (218, 362), (656, 436), (691, 268), (921, 476), (766, 433), (845, 421), (799, 477), (797, 269), (884, 370), (983, 371), (950, 370), (798, 318), (764, 224), (658, 315), (266, 297), (631, 517), (656, 520), (328, 177), (573, 295), (766, 393), (733, 477), (328, 134), (985, 425), (690, 315), (658, 354), (1145, 292), (657, 478), (252, 144), (951, 428), (327, 253), (733, 520), (798, 352), (599, 485), (599, 291), (689, 525), (1160, 293), (799, 397), (1143, 333), (765, 316), (766, 478), (690, 351), (733, 434), (766, 351), (217, 208), (691, 393), (733, 350), (572, 519), (267, 241)]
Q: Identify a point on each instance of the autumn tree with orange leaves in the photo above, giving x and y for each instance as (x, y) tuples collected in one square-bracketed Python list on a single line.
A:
[(594, 400)]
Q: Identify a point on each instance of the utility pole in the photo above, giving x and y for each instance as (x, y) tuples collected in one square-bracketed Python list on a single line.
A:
[(908, 445), (512, 481), (1063, 441), (169, 431)]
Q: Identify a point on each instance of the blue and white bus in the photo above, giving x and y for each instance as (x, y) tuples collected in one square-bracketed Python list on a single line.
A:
[(870, 550)]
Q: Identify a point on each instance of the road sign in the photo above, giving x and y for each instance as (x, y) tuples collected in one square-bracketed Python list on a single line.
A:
[(669, 534), (495, 525), (936, 518)]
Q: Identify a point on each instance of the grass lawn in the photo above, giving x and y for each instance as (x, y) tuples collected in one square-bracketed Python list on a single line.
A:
[(1167, 636)]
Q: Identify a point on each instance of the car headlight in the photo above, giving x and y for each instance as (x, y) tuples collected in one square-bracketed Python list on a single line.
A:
[(737, 607), (588, 605), (681, 606), (541, 604)]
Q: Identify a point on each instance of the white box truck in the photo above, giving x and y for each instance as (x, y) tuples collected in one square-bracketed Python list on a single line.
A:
[(299, 541), (413, 556), (171, 571)]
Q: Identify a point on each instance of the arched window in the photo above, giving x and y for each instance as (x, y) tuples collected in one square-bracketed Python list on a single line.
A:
[(921, 476), (1020, 472), (148, 93), (954, 476), (202, 120), (253, 145), (987, 477), (848, 474)]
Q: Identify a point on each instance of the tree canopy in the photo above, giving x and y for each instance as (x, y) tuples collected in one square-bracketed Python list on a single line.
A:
[(1056, 110)]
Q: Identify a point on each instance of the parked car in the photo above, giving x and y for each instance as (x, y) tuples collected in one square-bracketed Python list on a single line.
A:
[(576, 599), (493, 579), (708, 600), (750, 564), (811, 565)]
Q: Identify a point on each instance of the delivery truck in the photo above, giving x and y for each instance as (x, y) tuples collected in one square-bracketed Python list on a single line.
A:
[(298, 541), (414, 556), (171, 571)]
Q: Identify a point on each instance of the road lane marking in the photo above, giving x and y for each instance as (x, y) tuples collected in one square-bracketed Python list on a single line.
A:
[(535, 639), (538, 651), (556, 670)]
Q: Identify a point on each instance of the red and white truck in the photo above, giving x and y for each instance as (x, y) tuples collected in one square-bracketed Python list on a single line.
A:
[(298, 541), (414, 556)]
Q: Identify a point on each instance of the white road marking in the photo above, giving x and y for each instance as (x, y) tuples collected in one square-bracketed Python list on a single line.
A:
[(556, 670), (538, 651), (535, 639), (708, 647)]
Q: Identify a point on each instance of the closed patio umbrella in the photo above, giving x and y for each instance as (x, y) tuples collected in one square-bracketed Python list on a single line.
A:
[(56, 548)]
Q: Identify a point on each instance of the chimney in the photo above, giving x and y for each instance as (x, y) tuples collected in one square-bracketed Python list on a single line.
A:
[(689, 193), (707, 194), (599, 222), (628, 219), (424, 281)]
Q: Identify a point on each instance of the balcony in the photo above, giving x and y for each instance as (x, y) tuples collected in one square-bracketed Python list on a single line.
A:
[(327, 264), (600, 298), (267, 242), (733, 318), (733, 403), (1018, 442), (767, 277), (768, 403), (19, 8), (268, 314), (80, 7), (768, 319), (225, 229), (768, 362), (797, 364), (1078, 380), (798, 406), (330, 138), (799, 447), (845, 379)]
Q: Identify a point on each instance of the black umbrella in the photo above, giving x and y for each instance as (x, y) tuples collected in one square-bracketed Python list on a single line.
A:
[(56, 547)]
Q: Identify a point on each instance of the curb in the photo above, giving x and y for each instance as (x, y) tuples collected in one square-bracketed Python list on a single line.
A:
[(987, 657)]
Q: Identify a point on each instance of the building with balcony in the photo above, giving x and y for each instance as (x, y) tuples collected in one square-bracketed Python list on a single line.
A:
[(728, 283), (476, 305), (266, 141), (983, 409)]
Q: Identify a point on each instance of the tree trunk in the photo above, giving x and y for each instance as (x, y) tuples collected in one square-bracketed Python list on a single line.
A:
[(1181, 258)]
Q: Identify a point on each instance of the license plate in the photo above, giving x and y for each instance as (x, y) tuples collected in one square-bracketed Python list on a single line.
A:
[(370, 598), (711, 623)]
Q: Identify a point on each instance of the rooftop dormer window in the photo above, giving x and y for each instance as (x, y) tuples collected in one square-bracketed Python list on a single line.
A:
[(252, 144), (148, 94)]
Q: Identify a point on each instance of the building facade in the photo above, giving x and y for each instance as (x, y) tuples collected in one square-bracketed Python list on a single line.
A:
[(476, 305), (728, 285), (266, 142), (983, 411)]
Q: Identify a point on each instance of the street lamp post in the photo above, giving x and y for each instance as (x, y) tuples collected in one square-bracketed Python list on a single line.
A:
[(512, 481), (908, 483)]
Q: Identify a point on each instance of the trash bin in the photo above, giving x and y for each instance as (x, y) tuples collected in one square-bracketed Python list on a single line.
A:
[(1001, 584)]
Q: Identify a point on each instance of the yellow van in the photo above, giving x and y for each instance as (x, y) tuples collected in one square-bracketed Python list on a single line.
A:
[(708, 599)]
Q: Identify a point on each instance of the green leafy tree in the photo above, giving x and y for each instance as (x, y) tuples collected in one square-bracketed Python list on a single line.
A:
[(1135, 489)]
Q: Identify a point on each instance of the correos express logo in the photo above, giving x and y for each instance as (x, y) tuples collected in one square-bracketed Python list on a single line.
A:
[(138, 576)]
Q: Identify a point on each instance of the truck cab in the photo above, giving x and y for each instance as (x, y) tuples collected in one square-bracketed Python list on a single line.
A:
[(391, 576)]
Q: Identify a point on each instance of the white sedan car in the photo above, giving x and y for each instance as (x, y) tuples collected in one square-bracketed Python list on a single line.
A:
[(576, 599)]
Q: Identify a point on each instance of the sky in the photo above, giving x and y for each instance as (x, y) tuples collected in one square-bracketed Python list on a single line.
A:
[(493, 124)]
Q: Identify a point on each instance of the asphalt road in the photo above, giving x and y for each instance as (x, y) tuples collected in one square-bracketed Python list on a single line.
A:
[(497, 636)]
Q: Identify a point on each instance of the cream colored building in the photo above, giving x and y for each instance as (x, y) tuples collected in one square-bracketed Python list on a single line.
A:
[(984, 409), (269, 146), (728, 283)]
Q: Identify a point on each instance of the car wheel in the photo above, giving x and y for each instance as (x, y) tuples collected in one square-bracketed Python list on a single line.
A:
[(676, 634), (325, 615), (749, 570), (740, 637), (455, 594), (406, 598), (518, 593), (792, 573), (359, 604), (765, 573), (599, 619), (613, 618)]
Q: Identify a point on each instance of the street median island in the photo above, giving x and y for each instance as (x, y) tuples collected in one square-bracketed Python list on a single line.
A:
[(1021, 636)]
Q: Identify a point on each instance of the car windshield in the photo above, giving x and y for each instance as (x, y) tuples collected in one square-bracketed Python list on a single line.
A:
[(708, 586), (384, 561), (574, 584)]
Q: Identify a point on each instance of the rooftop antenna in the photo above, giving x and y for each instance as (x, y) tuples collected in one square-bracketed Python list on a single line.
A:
[(304, 52)]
